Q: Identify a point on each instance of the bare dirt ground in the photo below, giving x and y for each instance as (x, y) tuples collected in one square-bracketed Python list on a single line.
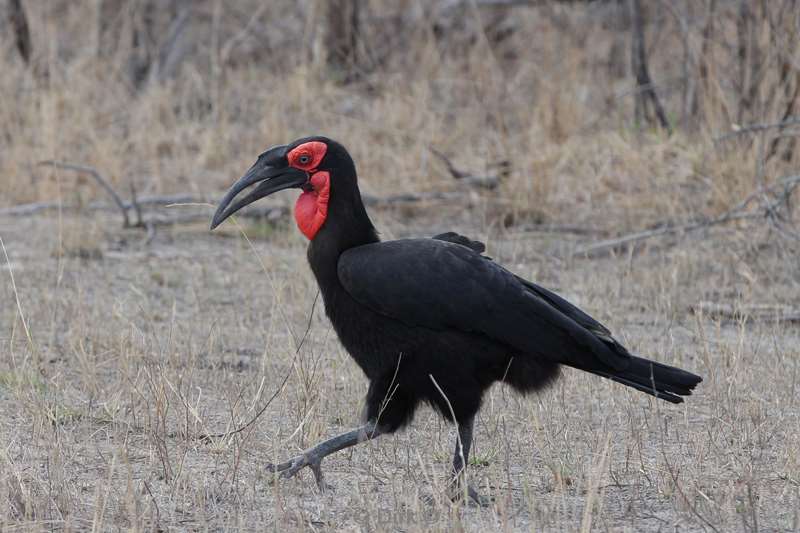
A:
[(129, 351)]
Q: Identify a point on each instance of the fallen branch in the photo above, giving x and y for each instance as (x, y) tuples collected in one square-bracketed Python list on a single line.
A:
[(271, 212), (560, 228), (609, 244), (28, 209), (408, 198), (484, 182), (758, 312), (99, 179), (276, 212), (756, 128), (451, 5), (144, 201), (771, 211)]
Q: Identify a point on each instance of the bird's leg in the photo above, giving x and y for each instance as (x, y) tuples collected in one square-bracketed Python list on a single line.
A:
[(460, 461), (313, 457), (463, 445)]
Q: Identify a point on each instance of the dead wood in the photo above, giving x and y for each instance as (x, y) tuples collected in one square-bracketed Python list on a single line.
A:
[(757, 312), (775, 204), (161, 218), (100, 180), (451, 5), (758, 128), (669, 229), (490, 181)]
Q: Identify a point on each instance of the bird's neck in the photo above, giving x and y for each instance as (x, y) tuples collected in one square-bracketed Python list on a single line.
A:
[(346, 226)]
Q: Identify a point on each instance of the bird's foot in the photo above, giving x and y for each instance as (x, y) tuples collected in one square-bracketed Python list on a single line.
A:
[(295, 464), (459, 490), (473, 497)]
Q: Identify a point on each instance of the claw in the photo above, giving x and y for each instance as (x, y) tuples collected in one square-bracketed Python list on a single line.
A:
[(457, 492), (295, 464), (316, 468)]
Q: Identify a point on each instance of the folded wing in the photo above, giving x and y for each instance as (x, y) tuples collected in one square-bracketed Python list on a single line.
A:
[(444, 285)]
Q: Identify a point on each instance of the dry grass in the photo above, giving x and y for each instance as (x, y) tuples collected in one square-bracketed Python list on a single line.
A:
[(134, 346), (556, 112), (133, 350)]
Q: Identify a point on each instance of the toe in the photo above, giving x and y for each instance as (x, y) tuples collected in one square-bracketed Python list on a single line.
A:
[(316, 468), (477, 498), (459, 492), (289, 468)]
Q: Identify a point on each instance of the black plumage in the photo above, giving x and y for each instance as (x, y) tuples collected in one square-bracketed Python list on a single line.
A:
[(432, 320)]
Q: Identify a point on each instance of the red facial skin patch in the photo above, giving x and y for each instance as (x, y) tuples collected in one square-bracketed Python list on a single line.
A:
[(311, 208), (307, 156)]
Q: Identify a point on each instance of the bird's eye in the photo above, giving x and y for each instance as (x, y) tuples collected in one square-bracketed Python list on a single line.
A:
[(304, 159)]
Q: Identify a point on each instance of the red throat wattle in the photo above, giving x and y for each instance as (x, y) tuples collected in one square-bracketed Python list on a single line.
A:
[(311, 208)]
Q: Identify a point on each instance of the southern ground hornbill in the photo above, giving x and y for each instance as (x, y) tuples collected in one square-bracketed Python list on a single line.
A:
[(429, 320)]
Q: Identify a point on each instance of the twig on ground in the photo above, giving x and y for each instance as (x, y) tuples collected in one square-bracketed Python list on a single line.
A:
[(99, 179), (610, 244), (271, 212), (451, 5), (758, 312), (756, 128), (143, 202), (559, 228), (483, 182), (407, 198), (770, 210), (28, 209)]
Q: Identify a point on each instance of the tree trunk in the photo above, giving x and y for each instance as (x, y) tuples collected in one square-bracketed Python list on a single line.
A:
[(22, 32), (341, 37), (645, 91)]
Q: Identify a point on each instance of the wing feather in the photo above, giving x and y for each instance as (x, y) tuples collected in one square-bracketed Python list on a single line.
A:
[(440, 284)]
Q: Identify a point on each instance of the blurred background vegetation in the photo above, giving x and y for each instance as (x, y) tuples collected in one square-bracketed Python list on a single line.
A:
[(624, 113)]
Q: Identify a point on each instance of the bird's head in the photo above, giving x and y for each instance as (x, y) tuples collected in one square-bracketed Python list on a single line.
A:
[(312, 164)]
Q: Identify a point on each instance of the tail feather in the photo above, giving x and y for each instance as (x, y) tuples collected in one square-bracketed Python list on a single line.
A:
[(656, 379)]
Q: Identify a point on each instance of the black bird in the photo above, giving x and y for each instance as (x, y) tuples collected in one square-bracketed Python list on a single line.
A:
[(429, 320)]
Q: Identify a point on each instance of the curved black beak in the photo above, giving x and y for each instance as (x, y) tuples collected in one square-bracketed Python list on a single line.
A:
[(270, 179)]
